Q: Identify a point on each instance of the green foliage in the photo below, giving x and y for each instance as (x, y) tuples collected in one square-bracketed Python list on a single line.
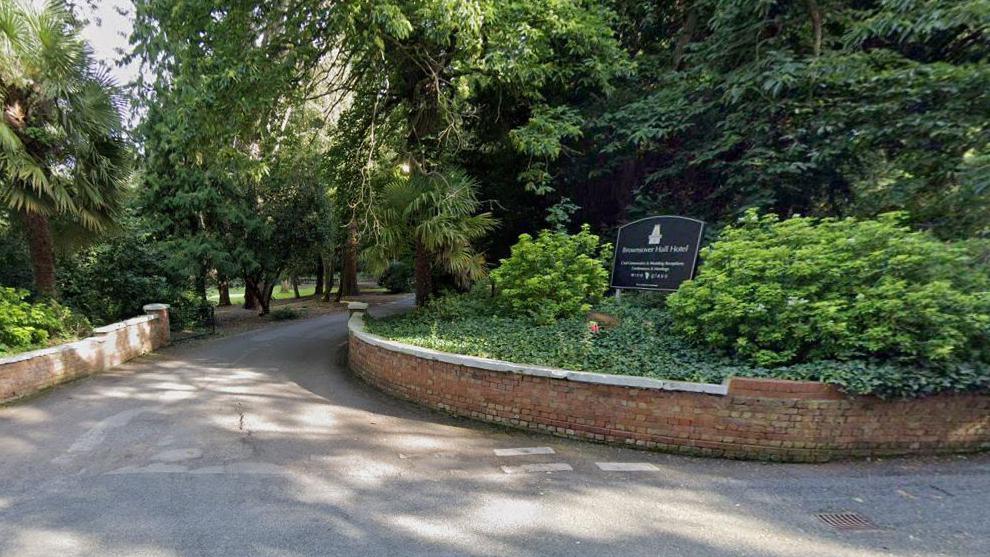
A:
[(61, 138), (819, 108), (26, 326), (434, 219), (799, 290), (16, 268), (234, 174), (556, 275), (397, 277), (284, 314), (113, 279), (190, 311), (644, 343)]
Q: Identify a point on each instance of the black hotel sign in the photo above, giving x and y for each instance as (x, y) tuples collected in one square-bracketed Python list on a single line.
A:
[(656, 253)]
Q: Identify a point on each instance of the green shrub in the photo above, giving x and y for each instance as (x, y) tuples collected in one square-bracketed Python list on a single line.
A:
[(284, 314), (26, 326), (397, 277), (556, 275), (16, 268), (114, 279), (189, 311), (799, 290)]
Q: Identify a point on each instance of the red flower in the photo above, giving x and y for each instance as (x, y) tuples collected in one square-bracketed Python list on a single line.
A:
[(593, 327)]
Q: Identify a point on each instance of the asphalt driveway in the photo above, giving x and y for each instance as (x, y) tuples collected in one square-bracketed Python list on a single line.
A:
[(265, 444)]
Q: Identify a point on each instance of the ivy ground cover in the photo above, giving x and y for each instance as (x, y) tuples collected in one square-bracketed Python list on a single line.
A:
[(644, 343)]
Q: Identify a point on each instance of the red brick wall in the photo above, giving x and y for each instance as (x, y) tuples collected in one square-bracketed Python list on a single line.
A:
[(758, 419), (25, 374)]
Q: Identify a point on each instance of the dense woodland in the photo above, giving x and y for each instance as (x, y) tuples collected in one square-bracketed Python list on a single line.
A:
[(320, 137)]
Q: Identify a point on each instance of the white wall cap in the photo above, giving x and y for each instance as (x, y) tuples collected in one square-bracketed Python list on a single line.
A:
[(123, 324), (356, 327), (69, 346)]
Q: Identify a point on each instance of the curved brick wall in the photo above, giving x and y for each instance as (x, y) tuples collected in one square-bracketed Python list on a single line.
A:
[(748, 418)]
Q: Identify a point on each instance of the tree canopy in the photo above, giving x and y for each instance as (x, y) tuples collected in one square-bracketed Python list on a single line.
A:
[(62, 151), (269, 134)]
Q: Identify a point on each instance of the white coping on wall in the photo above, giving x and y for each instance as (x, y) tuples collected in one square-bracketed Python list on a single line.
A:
[(98, 333), (74, 345), (356, 327), (123, 324)]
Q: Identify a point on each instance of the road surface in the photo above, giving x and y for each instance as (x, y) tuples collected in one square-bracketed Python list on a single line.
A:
[(265, 444)]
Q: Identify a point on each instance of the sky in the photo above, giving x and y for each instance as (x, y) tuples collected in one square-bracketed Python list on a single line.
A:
[(107, 32)]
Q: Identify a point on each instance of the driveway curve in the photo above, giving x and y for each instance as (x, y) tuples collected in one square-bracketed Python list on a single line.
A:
[(264, 444)]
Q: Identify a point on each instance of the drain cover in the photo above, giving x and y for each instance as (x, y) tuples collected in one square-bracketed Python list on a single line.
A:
[(847, 521)]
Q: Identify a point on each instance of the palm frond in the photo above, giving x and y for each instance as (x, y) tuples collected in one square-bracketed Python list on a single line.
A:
[(13, 29), (439, 212), (80, 168)]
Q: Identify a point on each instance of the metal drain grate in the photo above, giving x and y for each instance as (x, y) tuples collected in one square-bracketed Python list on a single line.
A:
[(847, 521)]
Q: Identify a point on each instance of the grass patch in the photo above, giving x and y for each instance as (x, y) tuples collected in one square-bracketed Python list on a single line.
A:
[(643, 344), (284, 314), (237, 293)]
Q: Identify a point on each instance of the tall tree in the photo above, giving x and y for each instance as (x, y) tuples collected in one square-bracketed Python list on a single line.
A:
[(62, 151), (434, 61), (434, 221), (225, 106), (445, 67), (795, 106)]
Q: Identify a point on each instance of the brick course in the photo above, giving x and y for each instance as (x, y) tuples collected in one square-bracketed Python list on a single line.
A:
[(25, 374), (757, 419)]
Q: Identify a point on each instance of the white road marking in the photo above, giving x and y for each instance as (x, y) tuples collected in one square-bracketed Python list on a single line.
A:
[(255, 468), (98, 433), (522, 451), (154, 468), (627, 467), (177, 455), (529, 468)]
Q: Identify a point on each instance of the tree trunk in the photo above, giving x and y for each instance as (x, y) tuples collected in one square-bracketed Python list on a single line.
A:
[(223, 285), (423, 273), (319, 277), (265, 299), (200, 282), (250, 295), (348, 274), (39, 233), (261, 292), (815, 13), (339, 256), (328, 276), (295, 286), (684, 37)]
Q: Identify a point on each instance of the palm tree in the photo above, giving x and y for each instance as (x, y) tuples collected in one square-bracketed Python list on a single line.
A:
[(62, 151), (433, 219)]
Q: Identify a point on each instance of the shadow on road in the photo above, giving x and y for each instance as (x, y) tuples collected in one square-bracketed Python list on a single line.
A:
[(263, 444)]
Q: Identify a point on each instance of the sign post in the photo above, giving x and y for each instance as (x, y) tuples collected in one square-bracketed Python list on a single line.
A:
[(656, 253)]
